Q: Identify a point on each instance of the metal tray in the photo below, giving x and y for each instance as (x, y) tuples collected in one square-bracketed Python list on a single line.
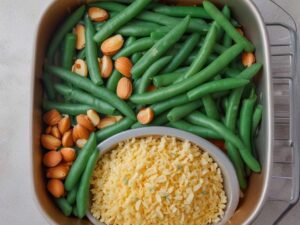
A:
[(258, 191)]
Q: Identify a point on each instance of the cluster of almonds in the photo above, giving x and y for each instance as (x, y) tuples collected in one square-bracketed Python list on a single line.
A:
[(60, 138)]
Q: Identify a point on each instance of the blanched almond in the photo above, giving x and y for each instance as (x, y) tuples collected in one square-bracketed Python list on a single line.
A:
[(80, 36), (80, 143), (52, 158), (68, 154), (48, 130), (93, 116), (80, 67), (151, 88), (67, 139), (112, 45), (55, 132), (56, 188), (124, 88), (52, 117), (64, 124), (106, 121), (50, 142), (248, 58), (124, 66), (57, 172), (84, 121), (145, 116), (106, 66), (80, 132), (97, 14)]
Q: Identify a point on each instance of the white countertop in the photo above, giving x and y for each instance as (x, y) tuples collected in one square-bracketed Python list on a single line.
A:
[(17, 37)]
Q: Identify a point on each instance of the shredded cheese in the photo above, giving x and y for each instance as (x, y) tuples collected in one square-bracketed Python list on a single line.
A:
[(157, 180)]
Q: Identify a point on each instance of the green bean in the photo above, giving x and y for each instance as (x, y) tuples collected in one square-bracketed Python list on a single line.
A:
[(138, 28), (160, 120), (80, 163), (75, 211), (91, 53), (66, 108), (227, 41), (204, 52), (113, 80), (67, 26), (88, 86), (219, 49), (166, 79), (192, 58), (64, 206), (245, 125), (231, 72), (229, 136), (69, 51), (111, 6), (182, 11), (200, 131), (216, 86), (136, 57), (257, 115), (181, 111), (82, 97), (130, 40), (48, 85), (218, 16), (138, 46), (123, 17), (159, 48), (81, 54), (118, 127), (152, 71), (160, 33), (183, 53), (83, 190), (209, 72), (210, 107), (71, 196)]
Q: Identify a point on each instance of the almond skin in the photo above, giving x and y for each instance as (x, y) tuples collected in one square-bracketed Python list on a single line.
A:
[(67, 139), (151, 88), (84, 121), (52, 158), (50, 142), (97, 14), (52, 117), (80, 132), (68, 154), (112, 45), (240, 31), (57, 172), (80, 143), (124, 88), (106, 66), (124, 66), (106, 121), (80, 36), (248, 58), (48, 130), (80, 67), (56, 188), (55, 132), (64, 124), (93, 116), (145, 116)]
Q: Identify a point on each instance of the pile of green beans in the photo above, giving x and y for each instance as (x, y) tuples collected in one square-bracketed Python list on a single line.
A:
[(190, 57)]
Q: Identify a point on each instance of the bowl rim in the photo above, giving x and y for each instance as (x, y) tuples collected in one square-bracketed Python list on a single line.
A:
[(230, 180)]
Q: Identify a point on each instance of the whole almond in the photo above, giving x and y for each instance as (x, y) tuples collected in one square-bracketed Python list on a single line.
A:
[(57, 172), (80, 132), (97, 14), (124, 66), (80, 36), (151, 88), (93, 116), (67, 139), (52, 158), (80, 67), (106, 121), (124, 88), (50, 142), (117, 118), (240, 31), (84, 121), (64, 124), (68, 154), (52, 117), (106, 66), (145, 116), (48, 130), (81, 142), (56, 188), (55, 132), (248, 58), (112, 45)]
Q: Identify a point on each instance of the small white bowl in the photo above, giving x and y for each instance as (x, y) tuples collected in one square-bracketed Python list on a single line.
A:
[(230, 179)]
